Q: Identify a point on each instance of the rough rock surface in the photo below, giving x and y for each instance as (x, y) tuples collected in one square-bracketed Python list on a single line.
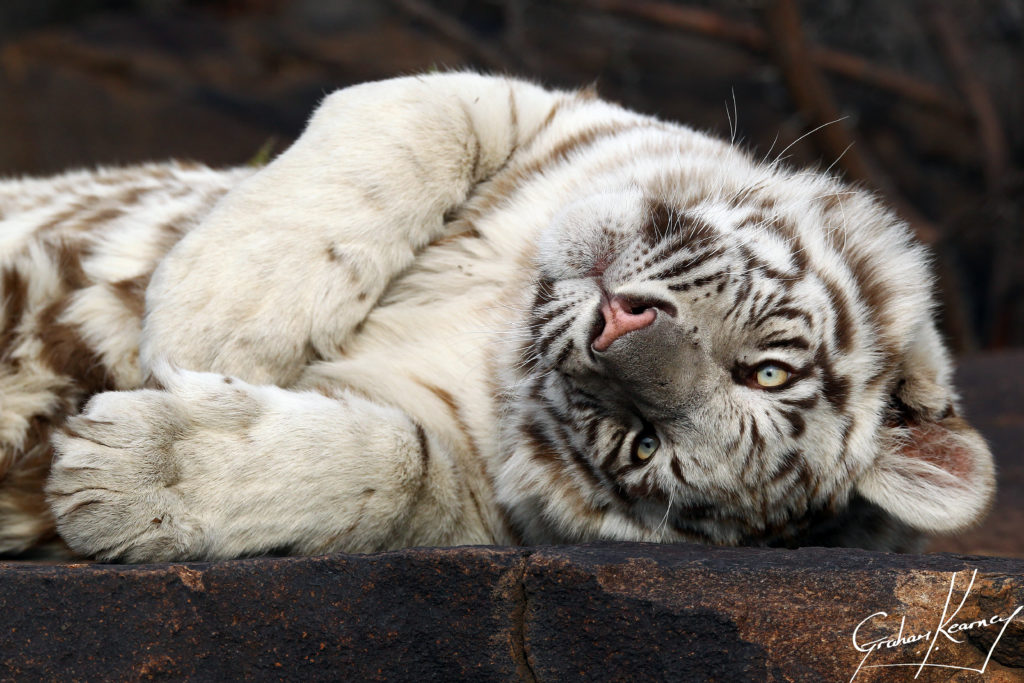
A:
[(602, 612), (597, 612)]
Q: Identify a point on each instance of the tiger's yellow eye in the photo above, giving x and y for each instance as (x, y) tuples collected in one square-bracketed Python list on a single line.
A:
[(646, 446), (770, 376)]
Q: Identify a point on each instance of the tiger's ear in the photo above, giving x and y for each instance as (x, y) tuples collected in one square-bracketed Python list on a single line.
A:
[(933, 471)]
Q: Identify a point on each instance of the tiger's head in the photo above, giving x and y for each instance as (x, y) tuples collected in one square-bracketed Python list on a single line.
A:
[(750, 363)]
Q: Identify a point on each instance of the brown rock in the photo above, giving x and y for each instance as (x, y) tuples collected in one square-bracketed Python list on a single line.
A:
[(695, 613), (441, 613), (599, 612)]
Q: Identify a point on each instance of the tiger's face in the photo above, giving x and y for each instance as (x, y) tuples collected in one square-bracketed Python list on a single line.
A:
[(704, 371)]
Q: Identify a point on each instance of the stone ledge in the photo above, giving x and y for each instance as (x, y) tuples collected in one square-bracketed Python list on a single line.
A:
[(595, 612)]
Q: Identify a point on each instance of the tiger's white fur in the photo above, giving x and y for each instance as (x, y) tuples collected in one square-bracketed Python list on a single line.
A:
[(383, 339)]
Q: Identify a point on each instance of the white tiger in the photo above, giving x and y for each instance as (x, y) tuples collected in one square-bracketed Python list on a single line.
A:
[(464, 309)]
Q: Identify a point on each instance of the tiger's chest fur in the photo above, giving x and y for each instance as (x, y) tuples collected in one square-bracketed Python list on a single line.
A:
[(587, 335)]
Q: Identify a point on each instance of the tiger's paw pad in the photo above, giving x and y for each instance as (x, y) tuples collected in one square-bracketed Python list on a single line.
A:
[(113, 486)]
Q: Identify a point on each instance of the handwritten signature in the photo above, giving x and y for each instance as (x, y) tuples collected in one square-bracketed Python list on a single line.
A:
[(947, 627)]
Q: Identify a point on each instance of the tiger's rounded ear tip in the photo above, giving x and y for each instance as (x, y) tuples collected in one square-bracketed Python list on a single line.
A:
[(937, 477)]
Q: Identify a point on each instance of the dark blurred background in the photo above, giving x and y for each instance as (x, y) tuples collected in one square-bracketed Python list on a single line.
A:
[(923, 100)]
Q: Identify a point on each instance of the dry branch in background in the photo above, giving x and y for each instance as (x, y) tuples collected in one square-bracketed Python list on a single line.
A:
[(813, 98), (713, 25), (979, 100), (452, 30), (996, 165)]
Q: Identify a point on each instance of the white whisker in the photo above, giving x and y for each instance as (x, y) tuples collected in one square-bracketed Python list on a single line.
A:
[(808, 133)]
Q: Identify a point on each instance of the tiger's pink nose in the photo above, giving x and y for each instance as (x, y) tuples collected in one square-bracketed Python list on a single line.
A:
[(621, 317)]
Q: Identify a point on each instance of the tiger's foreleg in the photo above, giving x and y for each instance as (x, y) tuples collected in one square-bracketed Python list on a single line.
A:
[(294, 258), (214, 467)]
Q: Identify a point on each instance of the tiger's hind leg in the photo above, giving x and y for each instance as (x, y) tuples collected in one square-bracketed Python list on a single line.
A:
[(214, 467), (76, 252), (30, 404), (34, 396), (25, 520)]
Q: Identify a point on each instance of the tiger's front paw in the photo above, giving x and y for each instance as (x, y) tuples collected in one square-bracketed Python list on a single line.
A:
[(114, 485)]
